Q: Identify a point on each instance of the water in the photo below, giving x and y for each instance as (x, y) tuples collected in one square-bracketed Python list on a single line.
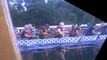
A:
[(73, 54)]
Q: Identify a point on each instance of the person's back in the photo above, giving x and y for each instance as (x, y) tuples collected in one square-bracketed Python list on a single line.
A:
[(72, 31), (22, 34)]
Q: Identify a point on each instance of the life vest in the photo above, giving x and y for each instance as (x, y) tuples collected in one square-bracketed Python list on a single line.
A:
[(45, 31)]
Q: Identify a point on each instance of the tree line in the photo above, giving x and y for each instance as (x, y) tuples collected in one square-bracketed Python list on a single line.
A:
[(40, 13)]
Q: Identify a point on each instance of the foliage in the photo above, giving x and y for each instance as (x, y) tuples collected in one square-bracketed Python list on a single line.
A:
[(39, 13)]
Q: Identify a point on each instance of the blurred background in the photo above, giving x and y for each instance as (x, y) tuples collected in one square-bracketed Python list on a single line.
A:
[(51, 12), (37, 13)]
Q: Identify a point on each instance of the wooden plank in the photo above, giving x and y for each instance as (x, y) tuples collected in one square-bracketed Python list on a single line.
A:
[(8, 46)]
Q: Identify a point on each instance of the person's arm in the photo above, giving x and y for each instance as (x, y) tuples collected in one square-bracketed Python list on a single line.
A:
[(94, 32), (77, 32), (60, 32), (26, 35)]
